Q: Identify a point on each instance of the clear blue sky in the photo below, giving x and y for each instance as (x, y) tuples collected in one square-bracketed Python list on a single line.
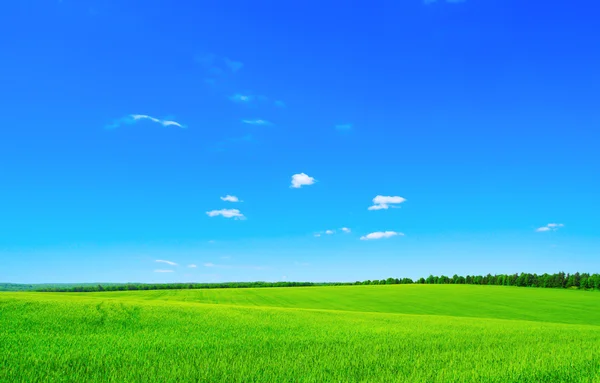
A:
[(125, 122)]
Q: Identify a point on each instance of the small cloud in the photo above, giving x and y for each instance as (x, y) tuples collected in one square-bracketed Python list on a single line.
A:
[(241, 98), (381, 202), (167, 262), (331, 232), (301, 179), (209, 264), (164, 271), (133, 118), (234, 66), (230, 198), (192, 266), (257, 122), (280, 104), (380, 235), (549, 227), (344, 127), (227, 213), (379, 207)]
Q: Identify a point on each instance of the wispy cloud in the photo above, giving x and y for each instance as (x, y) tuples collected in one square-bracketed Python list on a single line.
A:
[(331, 232), (133, 118), (234, 66), (192, 266), (167, 262), (238, 97), (301, 179), (343, 127), (230, 198), (217, 66), (257, 122), (164, 271), (550, 227), (227, 213), (385, 202), (380, 235)]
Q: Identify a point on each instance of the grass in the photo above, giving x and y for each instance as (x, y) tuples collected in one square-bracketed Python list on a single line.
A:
[(402, 333)]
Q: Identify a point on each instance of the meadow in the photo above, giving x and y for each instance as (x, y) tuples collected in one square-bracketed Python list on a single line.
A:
[(384, 333)]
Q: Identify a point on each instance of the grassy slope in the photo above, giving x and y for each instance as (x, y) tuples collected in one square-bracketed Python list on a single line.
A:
[(547, 305), (132, 337)]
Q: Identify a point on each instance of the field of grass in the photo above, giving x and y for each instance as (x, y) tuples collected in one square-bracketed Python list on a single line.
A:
[(411, 333)]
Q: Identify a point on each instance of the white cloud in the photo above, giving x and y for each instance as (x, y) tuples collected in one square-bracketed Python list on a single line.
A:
[(133, 118), (234, 66), (381, 202), (550, 227), (301, 179), (241, 98), (380, 235), (331, 232), (257, 122), (192, 266), (209, 264), (167, 262), (164, 271), (343, 126), (379, 207), (227, 213), (230, 198)]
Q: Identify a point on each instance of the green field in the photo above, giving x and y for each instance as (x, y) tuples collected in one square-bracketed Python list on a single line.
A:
[(411, 333)]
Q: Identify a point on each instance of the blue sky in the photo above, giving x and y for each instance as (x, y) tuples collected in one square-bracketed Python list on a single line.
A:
[(129, 126)]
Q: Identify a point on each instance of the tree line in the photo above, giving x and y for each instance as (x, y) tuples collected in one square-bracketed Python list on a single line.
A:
[(577, 280), (175, 286)]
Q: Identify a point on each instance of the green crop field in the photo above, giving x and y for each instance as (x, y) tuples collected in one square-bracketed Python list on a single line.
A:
[(406, 333)]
